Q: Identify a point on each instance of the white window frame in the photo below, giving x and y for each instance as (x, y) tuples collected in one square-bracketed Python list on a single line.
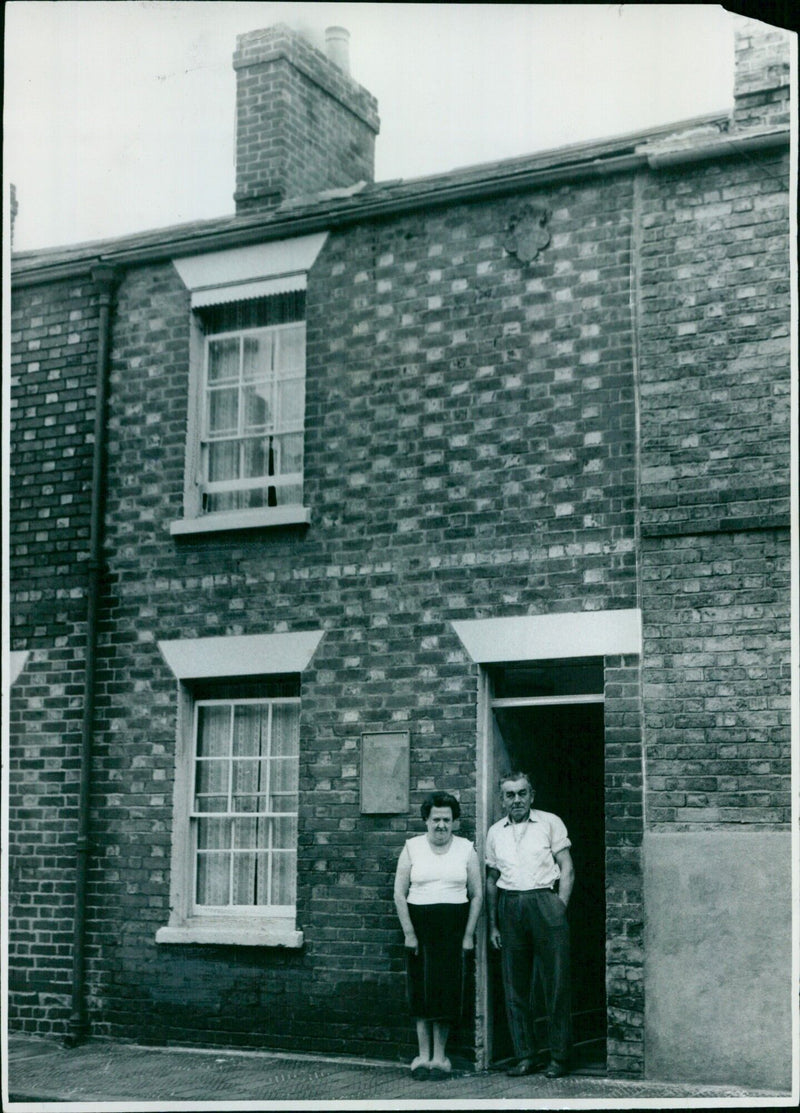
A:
[(215, 278), (294, 479), (272, 911), (220, 658)]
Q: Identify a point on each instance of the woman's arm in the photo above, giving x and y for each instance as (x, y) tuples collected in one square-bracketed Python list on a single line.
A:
[(475, 894), (402, 883)]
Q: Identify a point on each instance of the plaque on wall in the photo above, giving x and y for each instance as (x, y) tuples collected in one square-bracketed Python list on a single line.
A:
[(385, 771)]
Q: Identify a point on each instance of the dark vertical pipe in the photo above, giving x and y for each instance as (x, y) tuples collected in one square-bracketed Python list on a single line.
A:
[(103, 277)]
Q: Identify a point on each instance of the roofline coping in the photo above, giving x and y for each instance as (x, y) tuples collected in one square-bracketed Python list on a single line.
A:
[(339, 212)]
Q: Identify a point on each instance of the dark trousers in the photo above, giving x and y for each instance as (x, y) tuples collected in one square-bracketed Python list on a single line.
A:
[(534, 926)]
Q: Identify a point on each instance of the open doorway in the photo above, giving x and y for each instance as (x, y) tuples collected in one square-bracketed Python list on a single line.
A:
[(547, 721)]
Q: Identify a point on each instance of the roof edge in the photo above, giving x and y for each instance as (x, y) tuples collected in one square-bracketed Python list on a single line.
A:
[(650, 149)]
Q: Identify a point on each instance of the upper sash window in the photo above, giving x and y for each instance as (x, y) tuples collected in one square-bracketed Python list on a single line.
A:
[(246, 420), (253, 405)]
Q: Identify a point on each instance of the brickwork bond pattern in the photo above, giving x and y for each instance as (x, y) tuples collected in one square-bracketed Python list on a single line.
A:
[(716, 680), (761, 76), (52, 388), (624, 888), (470, 451), (714, 347), (54, 340), (434, 358), (714, 351)]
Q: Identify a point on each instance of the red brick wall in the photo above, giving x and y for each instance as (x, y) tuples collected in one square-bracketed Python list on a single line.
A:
[(624, 896), (714, 366), (761, 84), (470, 452), (714, 287), (54, 338), (716, 680)]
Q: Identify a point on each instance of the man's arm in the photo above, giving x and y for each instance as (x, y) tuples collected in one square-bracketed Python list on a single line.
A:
[(491, 907), (567, 880)]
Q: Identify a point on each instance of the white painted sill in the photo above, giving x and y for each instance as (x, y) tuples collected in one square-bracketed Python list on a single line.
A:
[(241, 519), (234, 933)]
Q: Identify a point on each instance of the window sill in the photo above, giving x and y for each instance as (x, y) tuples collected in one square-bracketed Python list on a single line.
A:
[(236, 933), (241, 519)]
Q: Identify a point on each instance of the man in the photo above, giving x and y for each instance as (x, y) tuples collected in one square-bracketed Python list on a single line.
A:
[(527, 855)]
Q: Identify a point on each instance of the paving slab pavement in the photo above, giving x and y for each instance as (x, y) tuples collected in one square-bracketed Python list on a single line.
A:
[(43, 1074)]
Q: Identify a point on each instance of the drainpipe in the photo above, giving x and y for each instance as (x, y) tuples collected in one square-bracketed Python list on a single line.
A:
[(103, 277)]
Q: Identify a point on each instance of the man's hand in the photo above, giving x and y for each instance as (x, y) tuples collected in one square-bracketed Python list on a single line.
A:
[(492, 875), (468, 943), (412, 943), (567, 879)]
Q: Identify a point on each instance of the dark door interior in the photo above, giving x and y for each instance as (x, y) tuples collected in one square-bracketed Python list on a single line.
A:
[(561, 747)]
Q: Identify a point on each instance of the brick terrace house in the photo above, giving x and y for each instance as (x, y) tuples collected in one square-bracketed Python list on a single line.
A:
[(372, 488)]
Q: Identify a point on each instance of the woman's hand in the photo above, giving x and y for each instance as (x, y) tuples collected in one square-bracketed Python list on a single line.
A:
[(468, 943), (411, 942)]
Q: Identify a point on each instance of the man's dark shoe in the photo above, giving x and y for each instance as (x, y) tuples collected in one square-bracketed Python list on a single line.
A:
[(523, 1067), (556, 1069)]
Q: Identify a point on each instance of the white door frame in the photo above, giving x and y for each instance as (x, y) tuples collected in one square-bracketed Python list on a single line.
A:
[(528, 638), (483, 810)]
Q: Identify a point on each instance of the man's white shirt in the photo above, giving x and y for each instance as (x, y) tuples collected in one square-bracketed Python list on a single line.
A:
[(524, 852)]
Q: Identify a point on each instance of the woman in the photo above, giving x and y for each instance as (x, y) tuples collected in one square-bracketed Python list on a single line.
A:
[(438, 896)]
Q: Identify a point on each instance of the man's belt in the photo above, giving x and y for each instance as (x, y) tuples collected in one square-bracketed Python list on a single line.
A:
[(525, 892)]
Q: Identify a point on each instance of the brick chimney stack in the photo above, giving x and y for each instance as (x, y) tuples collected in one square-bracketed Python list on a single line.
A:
[(302, 123), (761, 80)]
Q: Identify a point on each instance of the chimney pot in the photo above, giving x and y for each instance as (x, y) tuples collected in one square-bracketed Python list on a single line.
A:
[(337, 47)]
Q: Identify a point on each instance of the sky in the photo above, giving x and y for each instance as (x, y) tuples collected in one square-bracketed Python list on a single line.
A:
[(119, 115)]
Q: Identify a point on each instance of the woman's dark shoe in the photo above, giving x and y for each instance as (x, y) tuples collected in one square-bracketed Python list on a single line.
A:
[(439, 1068)]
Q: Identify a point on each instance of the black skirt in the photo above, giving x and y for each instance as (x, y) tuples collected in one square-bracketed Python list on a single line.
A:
[(436, 973)]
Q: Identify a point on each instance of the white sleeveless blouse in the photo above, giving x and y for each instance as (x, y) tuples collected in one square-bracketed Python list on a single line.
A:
[(438, 878)]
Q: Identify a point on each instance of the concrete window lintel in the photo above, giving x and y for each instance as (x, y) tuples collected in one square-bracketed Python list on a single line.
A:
[(245, 655), (552, 636)]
